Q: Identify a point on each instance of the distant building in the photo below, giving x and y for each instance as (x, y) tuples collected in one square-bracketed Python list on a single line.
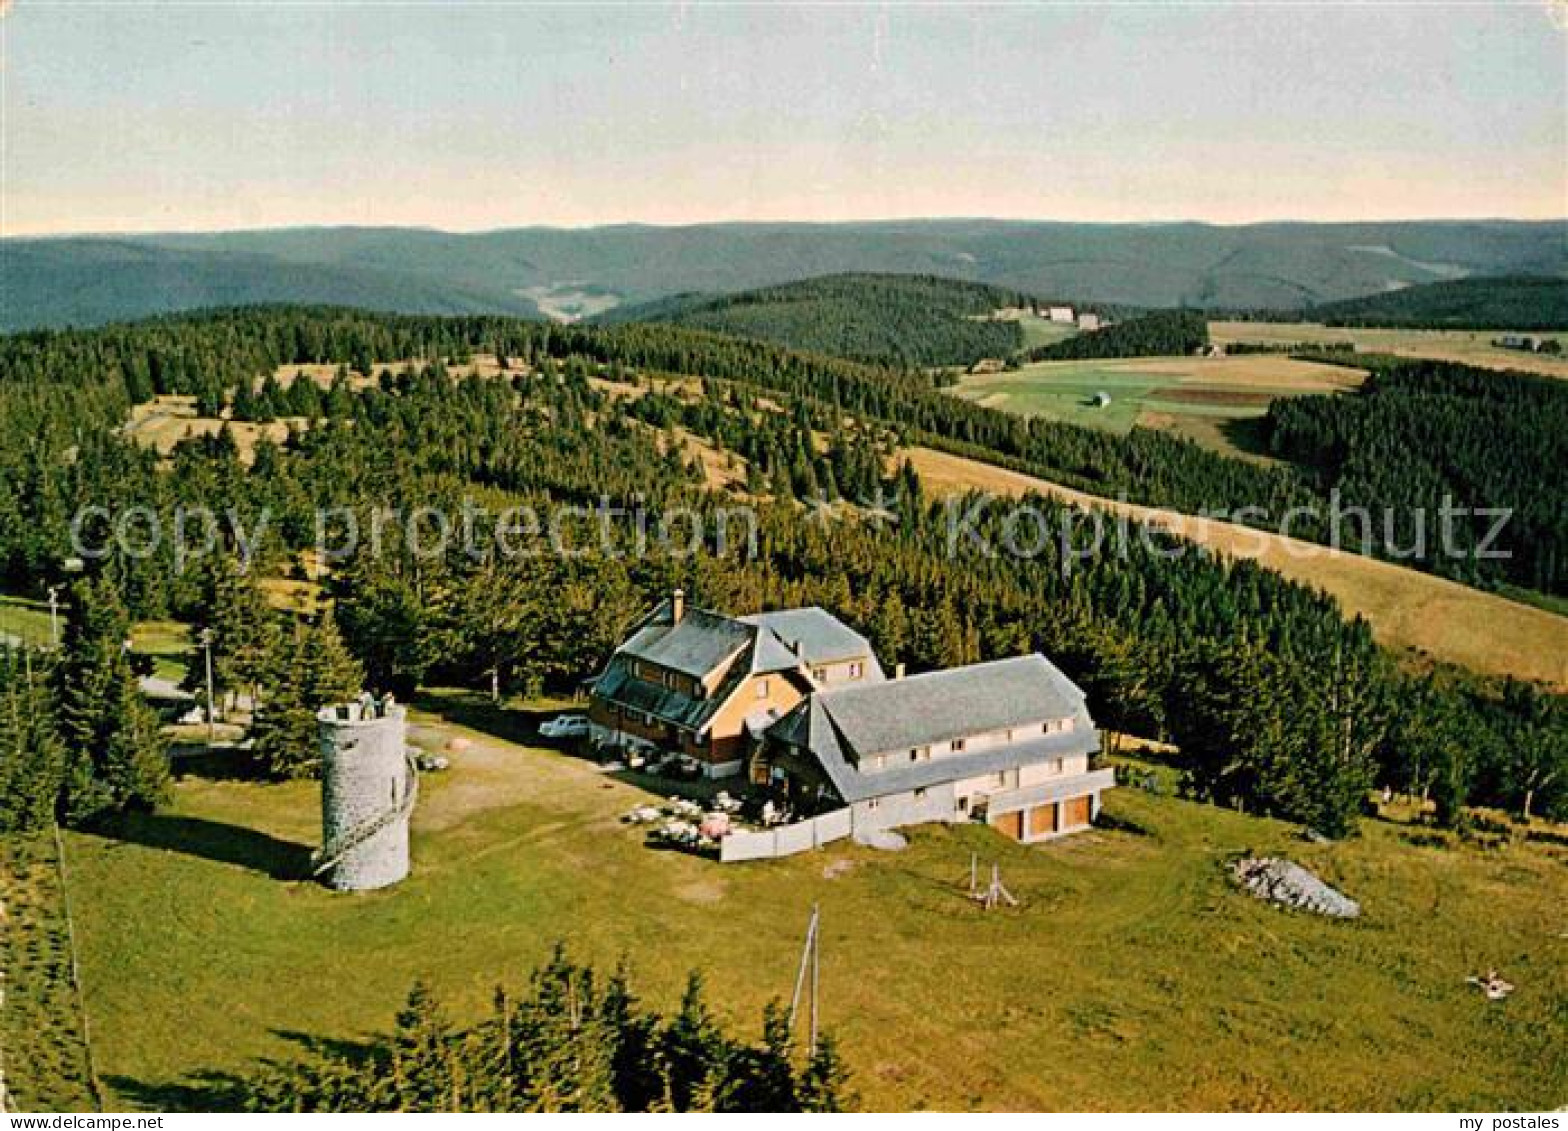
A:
[(1087, 321), (1060, 314), (1528, 342), (988, 365), (1100, 399)]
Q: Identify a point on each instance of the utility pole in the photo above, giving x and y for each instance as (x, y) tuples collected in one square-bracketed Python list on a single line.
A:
[(54, 615), (212, 724), (809, 961)]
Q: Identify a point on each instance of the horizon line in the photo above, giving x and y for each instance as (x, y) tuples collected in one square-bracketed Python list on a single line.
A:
[(132, 233)]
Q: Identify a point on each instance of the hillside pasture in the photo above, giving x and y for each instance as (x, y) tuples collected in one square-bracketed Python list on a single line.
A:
[(165, 421), (1469, 347), (202, 956), (1202, 398), (1430, 616)]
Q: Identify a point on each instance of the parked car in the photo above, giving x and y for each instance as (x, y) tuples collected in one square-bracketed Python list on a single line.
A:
[(565, 726)]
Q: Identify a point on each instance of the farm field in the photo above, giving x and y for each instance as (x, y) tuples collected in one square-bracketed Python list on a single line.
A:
[(202, 957), (1472, 347), (1193, 396), (1406, 608)]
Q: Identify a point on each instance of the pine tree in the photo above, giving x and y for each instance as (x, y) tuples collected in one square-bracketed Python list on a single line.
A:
[(310, 669), (424, 1069), (32, 761), (116, 756)]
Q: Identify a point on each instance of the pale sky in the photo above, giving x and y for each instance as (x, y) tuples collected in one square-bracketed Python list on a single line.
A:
[(163, 116)]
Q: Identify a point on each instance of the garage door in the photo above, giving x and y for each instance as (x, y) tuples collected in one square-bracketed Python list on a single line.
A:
[(1010, 824), (1075, 812), (1042, 820)]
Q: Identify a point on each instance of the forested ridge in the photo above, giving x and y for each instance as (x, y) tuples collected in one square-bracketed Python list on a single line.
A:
[(1176, 646), (1509, 302), (910, 321), (1419, 433), (1167, 333)]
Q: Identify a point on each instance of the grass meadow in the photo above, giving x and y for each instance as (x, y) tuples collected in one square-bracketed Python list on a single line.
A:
[(1133, 974), (1210, 400)]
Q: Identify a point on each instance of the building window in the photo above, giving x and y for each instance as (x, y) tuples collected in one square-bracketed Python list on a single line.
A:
[(958, 745), (920, 794), (1001, 777), (762, 689), (874, 803), (819, 674), (855, 670)]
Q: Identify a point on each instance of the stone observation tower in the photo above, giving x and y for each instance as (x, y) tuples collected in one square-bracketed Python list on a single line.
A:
[(368, 788)]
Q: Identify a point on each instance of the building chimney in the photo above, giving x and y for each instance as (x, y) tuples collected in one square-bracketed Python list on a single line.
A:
[(898, 671), (677, 606)]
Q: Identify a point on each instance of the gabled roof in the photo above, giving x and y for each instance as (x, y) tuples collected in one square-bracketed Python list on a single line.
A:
[(695, 646), (942, 705), (811, 634), (836, 728), (703, 642)]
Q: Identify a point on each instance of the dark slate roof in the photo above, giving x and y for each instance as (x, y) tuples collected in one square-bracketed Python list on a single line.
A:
[(705, 640), (937, 706), (952, 703), (812, 634), (619, 685), (698, 644)]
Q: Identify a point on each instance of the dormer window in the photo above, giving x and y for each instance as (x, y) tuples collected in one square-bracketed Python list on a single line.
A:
[(856, 670), (762, 689), (958, 745)]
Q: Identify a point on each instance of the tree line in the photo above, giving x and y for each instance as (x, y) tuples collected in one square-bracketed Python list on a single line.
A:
[(573, 1041)]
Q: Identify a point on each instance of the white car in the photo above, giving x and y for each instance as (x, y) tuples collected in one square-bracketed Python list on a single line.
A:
[(565, 726)]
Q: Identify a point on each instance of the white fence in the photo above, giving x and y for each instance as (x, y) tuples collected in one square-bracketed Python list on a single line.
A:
[(785, 840)]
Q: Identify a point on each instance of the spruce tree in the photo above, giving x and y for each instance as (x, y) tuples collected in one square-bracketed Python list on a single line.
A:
[(116, 755), (32, 761)]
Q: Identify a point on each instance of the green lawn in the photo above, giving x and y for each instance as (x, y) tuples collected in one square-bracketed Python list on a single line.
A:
[(25, 619), (165, 641), (1133, 974)]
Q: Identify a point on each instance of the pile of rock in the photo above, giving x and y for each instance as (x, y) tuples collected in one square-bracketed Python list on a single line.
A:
[(1282, 881)]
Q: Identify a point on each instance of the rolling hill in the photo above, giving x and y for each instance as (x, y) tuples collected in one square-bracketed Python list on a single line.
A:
[(909, 320), (580, 272), (1518, 302), (85, 282)]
